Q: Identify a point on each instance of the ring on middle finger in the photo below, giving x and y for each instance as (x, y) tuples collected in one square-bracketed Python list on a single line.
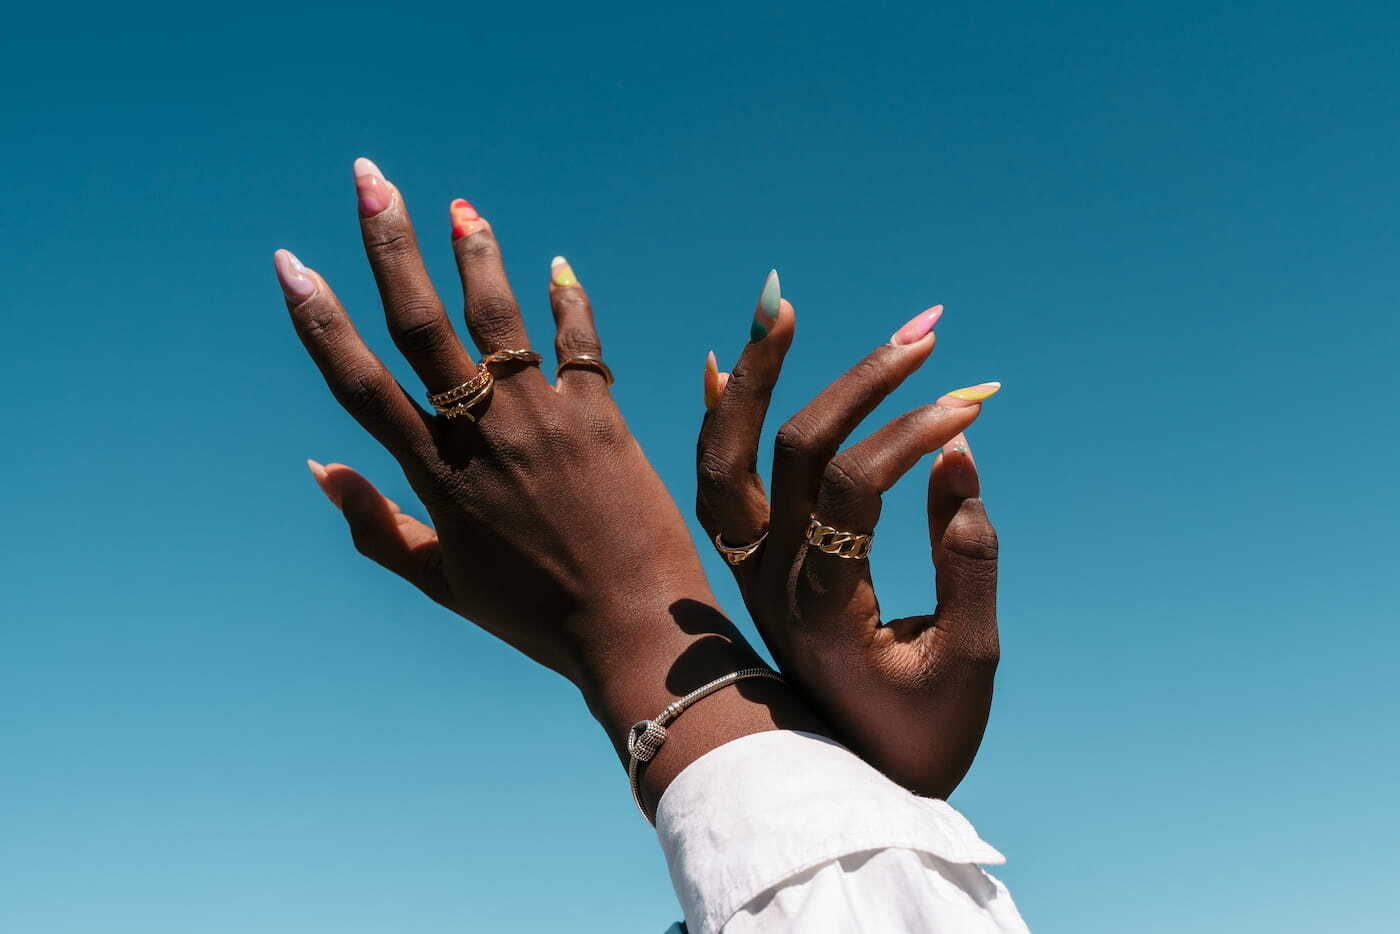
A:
[(838, 543)]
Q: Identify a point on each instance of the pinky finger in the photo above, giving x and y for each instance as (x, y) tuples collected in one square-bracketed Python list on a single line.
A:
[(388, 537)]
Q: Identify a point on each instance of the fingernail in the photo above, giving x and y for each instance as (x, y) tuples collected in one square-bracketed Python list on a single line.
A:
[(296, 280), (767, 311), (711, 381), (465, 220), (319, 474), (958, 446), (918, 327), (970, 395), (372, 188), (561, 273), (960, 473)]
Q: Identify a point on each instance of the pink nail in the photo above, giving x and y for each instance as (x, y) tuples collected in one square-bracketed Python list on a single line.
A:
[(297, 283), (918, 327), (372, 188)]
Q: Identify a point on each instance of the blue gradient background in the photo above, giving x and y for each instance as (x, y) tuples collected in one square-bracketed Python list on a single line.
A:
[(1170, 229)]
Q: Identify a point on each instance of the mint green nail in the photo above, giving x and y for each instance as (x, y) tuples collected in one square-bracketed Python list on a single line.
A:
[(767, 311)]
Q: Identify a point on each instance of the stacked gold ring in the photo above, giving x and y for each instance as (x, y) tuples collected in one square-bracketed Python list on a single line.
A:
[(459, 401)]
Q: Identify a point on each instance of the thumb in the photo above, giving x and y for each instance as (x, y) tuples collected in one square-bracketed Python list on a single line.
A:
[(381, 532), (964, 552)]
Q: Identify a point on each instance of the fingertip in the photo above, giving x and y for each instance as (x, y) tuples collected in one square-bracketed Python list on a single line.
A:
[(322, 478), (954, 471), (561, 274), (298, 283), (712, 386)]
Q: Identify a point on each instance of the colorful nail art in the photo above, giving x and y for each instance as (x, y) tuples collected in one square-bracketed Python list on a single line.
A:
[(970, 395), (561, 273), (918, 327), (372, 188), (297, 282), (711, 381), (958, 445), (767, 311), (465, 220)]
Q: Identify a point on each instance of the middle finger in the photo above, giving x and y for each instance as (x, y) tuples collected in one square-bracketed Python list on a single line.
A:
[(417, 321), (808, 441)]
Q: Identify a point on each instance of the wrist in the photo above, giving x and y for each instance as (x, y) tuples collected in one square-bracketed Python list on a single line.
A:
[(643, 657)]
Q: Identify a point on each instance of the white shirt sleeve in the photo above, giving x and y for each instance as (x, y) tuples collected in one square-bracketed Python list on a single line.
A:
[(787, 831)]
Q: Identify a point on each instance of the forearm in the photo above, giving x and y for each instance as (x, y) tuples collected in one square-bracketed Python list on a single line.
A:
[(657, 650)]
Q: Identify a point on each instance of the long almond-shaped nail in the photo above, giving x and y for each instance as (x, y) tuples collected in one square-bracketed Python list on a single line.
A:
[(320, 475), (918, 327), (561, 273), (297, 282), (711, 381), (372, 188), (767, 311), (970, 395), (465, 220)]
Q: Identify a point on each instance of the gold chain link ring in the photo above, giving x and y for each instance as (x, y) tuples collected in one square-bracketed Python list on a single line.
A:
[(840, 544)]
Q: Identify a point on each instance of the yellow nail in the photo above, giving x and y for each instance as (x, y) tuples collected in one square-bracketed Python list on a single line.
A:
[(561, 273), (978, 393)]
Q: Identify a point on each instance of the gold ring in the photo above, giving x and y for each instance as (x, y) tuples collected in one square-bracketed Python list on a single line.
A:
[(840, 544), (734, 554), (524, 355), (464, 408), (457, 393), (458, 400), (587, 360)]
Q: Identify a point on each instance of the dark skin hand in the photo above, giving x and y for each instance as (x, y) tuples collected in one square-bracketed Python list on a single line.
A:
[(550, 529), (910, 695)]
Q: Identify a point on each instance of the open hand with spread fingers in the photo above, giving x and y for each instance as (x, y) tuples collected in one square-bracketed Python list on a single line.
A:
[(550, 529), (910, 695)]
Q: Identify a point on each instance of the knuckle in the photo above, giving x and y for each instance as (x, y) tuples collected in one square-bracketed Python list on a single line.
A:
[(971, 535), (361, 391), (576, 340), (568, 302), (421, 328), (479, 246), (845, 480), (716, 473), (875, 372), (797, 440), (494, 316), (316, 321)]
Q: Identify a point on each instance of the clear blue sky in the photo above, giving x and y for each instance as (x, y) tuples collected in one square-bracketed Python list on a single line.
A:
[(1170, 229)]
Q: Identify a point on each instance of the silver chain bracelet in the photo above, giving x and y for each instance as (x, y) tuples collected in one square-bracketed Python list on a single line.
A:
[(646, 736)]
